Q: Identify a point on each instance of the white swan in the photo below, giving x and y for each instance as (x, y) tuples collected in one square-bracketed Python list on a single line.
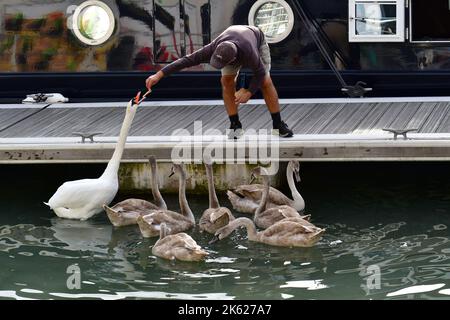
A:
[(81, 199), (246, 198)]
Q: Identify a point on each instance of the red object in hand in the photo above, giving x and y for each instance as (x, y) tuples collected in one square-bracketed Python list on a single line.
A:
[(137, 98)]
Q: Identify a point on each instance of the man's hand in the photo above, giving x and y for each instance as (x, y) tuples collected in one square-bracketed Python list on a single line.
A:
[(154, 79), (242, 96)]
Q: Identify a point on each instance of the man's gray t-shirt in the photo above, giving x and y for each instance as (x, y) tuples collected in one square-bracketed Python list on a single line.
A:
[(247, 39)]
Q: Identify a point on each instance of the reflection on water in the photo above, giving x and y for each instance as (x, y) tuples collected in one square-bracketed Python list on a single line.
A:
[(397, 231)]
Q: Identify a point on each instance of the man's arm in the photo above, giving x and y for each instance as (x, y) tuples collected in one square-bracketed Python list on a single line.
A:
[(153, 79), (202, 55)]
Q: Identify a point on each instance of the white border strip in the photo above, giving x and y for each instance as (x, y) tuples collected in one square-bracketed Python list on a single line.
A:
[(152, 142), (301, 101)]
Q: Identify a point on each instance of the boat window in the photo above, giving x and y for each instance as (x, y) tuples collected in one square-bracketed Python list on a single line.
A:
[(376, 21), (430, 21), (93, 22), (275, 18)]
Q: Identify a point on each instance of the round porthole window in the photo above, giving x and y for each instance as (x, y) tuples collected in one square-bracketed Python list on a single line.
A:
[(93, 22), (274, 17)]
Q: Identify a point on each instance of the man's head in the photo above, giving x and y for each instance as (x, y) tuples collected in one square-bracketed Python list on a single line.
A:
[(225, 54)]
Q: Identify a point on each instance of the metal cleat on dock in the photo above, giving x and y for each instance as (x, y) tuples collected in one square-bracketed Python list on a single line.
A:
[(86, 135), (403, 132), (359, 90), (45, 98)]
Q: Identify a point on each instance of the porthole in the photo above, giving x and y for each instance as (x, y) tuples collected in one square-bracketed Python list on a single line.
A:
[(93, 22), (275, 18)]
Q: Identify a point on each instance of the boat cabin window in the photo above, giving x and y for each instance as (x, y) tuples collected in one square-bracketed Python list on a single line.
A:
[(93, 22), (430, 20), (274, 17), (376, 21)]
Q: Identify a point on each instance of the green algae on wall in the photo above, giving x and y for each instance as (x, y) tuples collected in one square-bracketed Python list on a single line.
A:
[(136, 177)]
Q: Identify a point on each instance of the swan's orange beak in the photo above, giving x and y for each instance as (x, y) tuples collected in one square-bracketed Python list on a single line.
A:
[(137, 98)]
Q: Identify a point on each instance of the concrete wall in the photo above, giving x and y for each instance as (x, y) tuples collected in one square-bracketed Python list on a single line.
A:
[(135, 177)]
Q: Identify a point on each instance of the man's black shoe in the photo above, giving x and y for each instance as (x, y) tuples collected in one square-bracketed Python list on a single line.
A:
[(235, 131), (283, 130)]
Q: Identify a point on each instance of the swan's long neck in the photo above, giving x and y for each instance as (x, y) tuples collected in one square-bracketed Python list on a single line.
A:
[(159, 201), (248, 224), (265, 196), (213, 201), (184, 206), (114, 163), (164, 231), (296, 196)]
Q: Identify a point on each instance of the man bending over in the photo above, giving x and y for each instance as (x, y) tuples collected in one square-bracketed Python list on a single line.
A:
[(237, 47)]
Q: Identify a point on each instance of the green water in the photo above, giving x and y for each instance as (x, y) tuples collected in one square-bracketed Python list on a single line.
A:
[(388, 217)]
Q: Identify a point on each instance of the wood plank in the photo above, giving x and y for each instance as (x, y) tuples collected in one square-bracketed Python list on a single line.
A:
[(302, 118), (404, 117), (321, 115), (377, 110), (248, 114), (388, 117), (260, 119), (292, 113), (302, 111), (9, 116), (327, 119), (82, 120), (147, 118), (218, 120), (289, 114), (444, 126), (172, 115), (298, 119), (421, 116), (184, 120), (433, 122), (76, 121), (312, 117), (54, 120), (110, 125), (355, 119), (192, 123), (214, 120), (346, 119), (28, 127)]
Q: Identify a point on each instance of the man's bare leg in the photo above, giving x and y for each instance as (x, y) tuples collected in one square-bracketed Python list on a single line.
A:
[(228, 93), (270, 95)]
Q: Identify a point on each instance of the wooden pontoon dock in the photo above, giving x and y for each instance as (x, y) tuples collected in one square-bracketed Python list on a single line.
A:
[(325, 129)]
